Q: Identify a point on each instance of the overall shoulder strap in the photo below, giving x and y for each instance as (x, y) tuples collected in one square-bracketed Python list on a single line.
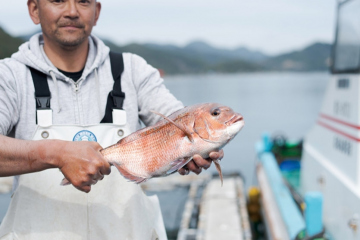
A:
[(42, 98), (42, 92), (116, 97)]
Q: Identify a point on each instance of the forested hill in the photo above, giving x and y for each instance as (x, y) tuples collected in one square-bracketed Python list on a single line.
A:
[(200, 57), (8, 44)]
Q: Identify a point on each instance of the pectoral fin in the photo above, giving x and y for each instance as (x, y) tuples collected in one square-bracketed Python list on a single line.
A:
[(187, 133), (218, 168), (201, 128)]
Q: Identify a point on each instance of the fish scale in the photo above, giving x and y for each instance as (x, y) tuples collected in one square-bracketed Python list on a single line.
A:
[(134, 156)]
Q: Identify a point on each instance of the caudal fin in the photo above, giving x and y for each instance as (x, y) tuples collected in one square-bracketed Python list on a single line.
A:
[(65, 182), (129, 176)]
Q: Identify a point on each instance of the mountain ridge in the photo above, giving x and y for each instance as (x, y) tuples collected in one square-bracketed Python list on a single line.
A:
[(201, 57)]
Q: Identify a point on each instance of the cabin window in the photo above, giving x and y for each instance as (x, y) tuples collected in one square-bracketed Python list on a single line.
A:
[(347, 44)]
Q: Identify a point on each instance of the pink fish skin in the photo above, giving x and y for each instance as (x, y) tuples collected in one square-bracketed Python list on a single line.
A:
[(163, 148)]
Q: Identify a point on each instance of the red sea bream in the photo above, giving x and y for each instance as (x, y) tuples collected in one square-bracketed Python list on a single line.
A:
[(165, 147)]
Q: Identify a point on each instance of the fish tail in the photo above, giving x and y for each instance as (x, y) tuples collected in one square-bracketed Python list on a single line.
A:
[(128, 175), (65, 182)]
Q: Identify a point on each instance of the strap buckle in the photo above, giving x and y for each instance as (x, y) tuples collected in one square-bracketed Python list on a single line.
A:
[(43, 102), (118, 99)]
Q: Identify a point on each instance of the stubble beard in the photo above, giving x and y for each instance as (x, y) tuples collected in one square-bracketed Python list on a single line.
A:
[(67, 39), (70, 41)]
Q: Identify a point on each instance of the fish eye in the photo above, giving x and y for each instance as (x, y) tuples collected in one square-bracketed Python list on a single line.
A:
[(216, 112)]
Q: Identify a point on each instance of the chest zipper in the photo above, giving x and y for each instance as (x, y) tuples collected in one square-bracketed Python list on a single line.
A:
[(76, 87)]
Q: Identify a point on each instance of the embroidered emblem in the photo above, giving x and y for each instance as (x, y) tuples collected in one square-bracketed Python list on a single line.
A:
[(85, 135)]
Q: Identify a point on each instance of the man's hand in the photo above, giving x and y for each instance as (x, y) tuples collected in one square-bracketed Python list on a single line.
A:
[(197, 163), (82, 164)]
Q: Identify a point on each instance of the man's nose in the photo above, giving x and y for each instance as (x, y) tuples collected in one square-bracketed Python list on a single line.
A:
[(71, 9)]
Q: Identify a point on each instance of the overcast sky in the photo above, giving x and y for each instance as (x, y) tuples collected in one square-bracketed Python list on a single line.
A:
[(271, 26)]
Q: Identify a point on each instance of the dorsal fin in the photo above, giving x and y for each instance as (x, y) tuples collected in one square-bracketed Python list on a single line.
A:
[(190, 137)]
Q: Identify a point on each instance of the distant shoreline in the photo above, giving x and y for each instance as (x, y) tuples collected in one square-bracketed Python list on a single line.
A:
[(202, 58)]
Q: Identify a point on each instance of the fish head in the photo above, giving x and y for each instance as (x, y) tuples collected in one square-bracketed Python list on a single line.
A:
[(217, 123)]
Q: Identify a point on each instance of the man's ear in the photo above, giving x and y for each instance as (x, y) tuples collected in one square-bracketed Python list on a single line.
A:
[(97, 11), (34, 10)]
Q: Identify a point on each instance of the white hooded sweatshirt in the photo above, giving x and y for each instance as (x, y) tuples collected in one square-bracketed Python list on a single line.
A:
[(83, 102)]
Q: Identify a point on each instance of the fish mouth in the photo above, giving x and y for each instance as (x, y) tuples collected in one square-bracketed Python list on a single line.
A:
[(234, 119)]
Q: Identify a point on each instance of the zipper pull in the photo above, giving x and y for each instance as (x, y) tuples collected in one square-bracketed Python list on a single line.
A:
[(76, 87)]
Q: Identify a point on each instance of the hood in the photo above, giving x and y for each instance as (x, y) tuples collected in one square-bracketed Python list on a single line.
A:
[(32, 54)]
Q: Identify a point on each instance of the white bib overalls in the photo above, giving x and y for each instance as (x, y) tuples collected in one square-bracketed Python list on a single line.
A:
[(41, 209)]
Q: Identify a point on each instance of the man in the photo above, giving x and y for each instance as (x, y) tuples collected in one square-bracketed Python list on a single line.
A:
[(78, 78)]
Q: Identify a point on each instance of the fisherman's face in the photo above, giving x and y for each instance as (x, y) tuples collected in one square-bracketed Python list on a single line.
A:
[(65, 22)]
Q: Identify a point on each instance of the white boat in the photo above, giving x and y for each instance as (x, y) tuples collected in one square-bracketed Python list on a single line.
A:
[(330, 164)]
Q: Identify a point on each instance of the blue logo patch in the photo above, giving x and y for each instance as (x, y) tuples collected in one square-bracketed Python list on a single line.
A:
[(85, 135)]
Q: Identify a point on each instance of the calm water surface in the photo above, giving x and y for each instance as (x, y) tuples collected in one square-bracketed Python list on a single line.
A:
[(278, 103)]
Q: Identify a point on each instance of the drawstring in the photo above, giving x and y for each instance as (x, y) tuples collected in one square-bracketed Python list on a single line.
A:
[(52, 74), (98, 89)]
